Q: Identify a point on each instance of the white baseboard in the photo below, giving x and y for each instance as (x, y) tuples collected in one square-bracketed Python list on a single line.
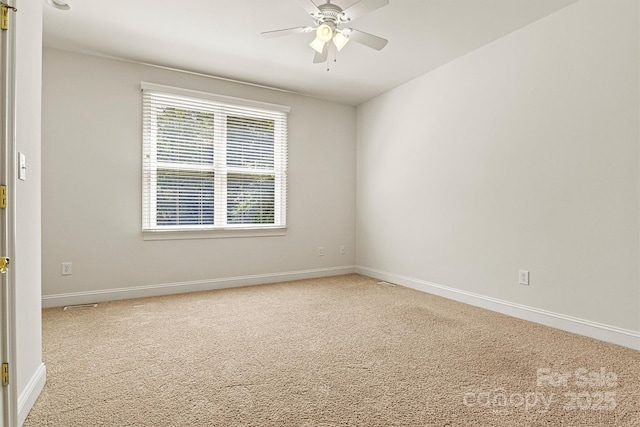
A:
[(30, 394), (60, 300), (611, 334)]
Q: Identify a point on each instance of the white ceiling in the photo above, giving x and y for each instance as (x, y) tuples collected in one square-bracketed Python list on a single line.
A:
[(222, 38)]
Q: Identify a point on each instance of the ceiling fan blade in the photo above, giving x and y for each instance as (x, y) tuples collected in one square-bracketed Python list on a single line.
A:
[(319, 58), (309, 6), (286, 32), (363, 7), (369, 40)]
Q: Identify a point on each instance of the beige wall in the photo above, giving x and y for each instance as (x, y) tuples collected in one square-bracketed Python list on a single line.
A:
[(523, 154), (91, 162), (30, 369)]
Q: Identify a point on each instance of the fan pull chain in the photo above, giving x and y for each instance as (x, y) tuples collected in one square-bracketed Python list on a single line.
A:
[(335, 59)]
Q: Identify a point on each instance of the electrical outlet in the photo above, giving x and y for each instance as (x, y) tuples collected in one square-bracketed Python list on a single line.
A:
[(524, 277), (66, 269), (320, 251), (342, 250)]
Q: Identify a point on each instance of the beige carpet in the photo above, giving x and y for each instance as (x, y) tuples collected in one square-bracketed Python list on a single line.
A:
[(342, 351)]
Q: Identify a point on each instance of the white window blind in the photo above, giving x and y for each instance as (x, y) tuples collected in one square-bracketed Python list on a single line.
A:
[(212, 162)]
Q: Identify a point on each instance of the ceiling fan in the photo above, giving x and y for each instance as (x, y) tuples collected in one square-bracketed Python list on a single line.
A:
[(330, 22)]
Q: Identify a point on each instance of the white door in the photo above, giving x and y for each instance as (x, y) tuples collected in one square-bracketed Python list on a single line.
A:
[(8, 402)]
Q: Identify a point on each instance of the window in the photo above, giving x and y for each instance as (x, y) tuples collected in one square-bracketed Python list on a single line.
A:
[(212, 162)]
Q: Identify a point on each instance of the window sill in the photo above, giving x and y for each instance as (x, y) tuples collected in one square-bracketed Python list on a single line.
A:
[(212, 234)]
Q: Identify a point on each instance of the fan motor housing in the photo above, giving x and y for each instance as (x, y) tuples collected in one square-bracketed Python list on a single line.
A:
[(331, 13)]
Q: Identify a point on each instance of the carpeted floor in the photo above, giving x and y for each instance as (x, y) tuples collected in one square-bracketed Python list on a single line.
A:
[(340, 351)]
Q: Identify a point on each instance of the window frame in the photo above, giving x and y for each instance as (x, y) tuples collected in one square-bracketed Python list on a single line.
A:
[(222, 107)]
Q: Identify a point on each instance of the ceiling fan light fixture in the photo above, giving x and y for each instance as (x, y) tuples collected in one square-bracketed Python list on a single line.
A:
[(328, 19), (324, 33), (340, 40), (317, 45)]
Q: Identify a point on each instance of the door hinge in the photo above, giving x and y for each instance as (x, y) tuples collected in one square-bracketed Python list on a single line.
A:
[(4, 264), (3, 196), (5, 374), (4, 20)]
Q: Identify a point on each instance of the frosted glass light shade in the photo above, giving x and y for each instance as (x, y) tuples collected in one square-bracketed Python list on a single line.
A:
[(324, 33), (340, 40), (317, 45)]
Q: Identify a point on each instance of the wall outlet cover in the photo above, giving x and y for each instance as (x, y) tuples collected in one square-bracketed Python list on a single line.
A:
[(66, 269)]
